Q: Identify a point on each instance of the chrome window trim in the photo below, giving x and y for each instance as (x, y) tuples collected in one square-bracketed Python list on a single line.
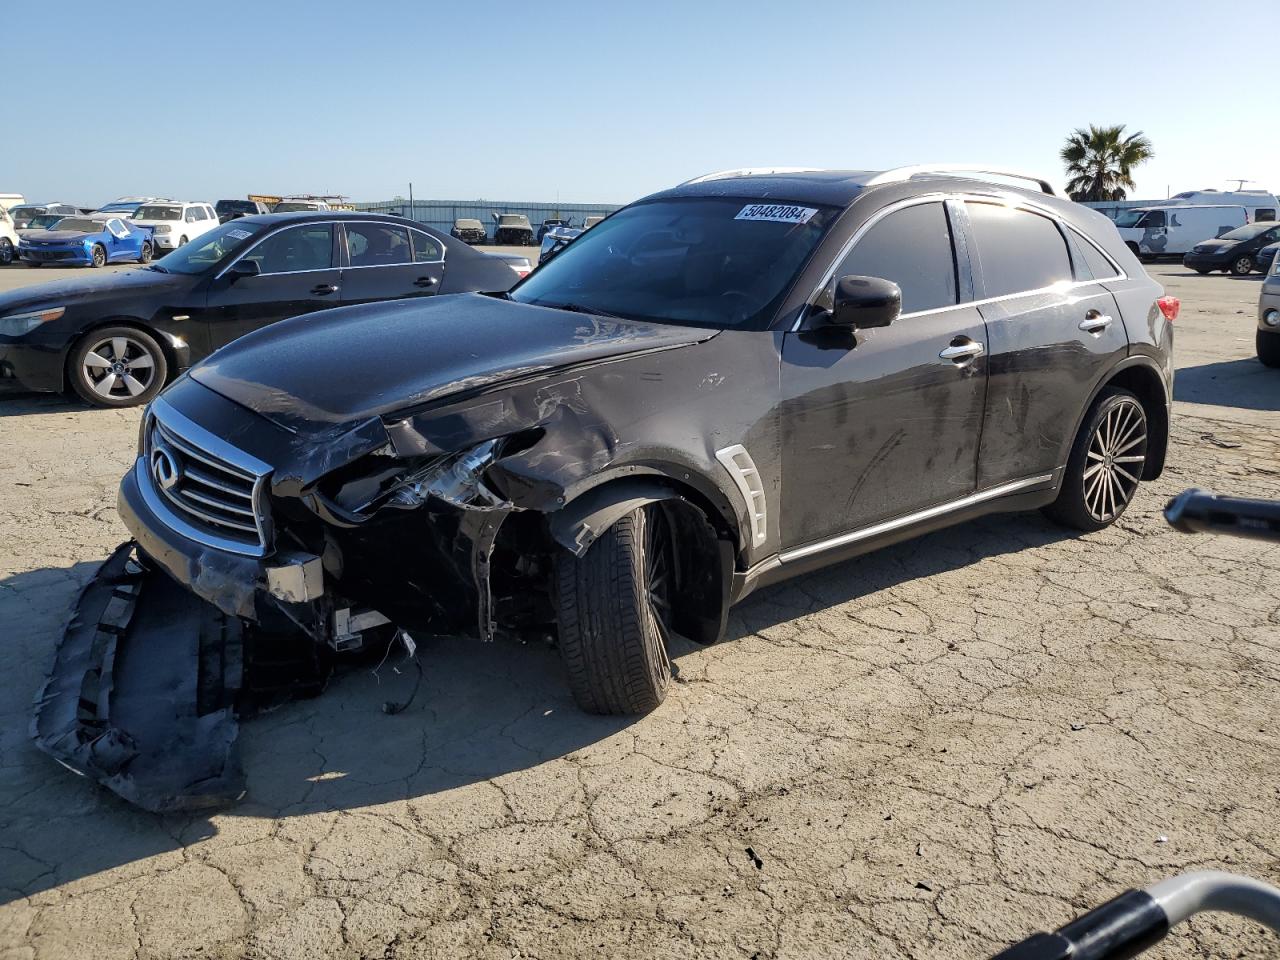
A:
[(888, 526), (332, 223), (1019, 203), (408, 263)]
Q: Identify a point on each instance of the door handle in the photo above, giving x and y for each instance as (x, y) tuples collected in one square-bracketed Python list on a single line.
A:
[(425, 282), (962, 352), (322, 289), (1095, 322)]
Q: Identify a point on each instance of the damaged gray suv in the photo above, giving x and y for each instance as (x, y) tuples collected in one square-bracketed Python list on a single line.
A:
[(725, 384)]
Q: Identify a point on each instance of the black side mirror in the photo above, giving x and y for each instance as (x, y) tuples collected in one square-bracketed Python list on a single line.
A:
[(860, 303), (244, 268)]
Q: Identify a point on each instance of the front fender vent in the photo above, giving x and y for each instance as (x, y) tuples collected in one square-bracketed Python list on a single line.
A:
[(742, 468)]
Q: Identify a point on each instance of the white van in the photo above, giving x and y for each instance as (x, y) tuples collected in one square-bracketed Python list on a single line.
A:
[(1166, 230), (1258, 204)]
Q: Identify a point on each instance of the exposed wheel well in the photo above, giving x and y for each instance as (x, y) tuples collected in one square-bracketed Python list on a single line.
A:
[(170, 356), (1146, 384)]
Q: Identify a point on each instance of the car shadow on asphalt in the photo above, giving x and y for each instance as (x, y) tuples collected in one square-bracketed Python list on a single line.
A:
[(23, 403), (1245, 384), (481, 712)]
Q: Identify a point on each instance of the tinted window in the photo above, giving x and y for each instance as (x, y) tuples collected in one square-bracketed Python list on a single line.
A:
[(1264, 214), (425, 249), (1018, 250), (1154, 219), (1096, 266), (378, 245), (911, 247), (1247, 232), (305, 247)]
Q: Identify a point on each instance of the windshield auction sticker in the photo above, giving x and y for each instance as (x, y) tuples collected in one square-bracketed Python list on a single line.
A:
[(776, 212)]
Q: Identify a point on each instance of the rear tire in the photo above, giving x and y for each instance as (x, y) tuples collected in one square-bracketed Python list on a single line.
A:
[(1241, 266), (613, 610), (1106, 463), (1268, 348)]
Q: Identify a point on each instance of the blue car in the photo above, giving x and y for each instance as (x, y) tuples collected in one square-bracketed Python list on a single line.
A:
[(86, 241)]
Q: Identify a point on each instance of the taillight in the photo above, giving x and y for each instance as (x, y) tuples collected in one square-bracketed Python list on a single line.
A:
[(1169, 306)]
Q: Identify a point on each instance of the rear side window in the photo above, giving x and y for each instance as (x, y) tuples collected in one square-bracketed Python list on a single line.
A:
[(425, 249), (1095, 265), (1017, 250), (377, 245), (1264, 214), (911, 247)]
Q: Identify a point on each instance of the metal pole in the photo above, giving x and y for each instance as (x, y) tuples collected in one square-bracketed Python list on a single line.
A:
[(413, 213)]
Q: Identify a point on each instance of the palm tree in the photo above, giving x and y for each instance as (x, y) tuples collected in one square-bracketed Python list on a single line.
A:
[(1100, 161)]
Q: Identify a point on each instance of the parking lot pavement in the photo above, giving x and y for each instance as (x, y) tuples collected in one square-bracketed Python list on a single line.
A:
[(927, 752)]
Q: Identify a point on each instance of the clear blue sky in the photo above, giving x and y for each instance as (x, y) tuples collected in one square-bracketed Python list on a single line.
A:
[(606, 101)]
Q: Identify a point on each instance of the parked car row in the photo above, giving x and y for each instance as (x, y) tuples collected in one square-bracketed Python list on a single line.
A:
[(514, 229)]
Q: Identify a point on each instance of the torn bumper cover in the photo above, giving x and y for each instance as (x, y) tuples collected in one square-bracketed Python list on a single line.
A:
[(141, 696)]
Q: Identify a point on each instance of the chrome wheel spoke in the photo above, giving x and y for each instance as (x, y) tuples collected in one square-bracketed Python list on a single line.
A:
[(97, 361), (1092, 470), (1133, 459), (1094, 456), (120, 347), (1125, 473), (106, 384), (144, 362), (1133, 443), (133, 385)]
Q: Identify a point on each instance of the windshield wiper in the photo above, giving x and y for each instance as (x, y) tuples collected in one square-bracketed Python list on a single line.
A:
[(577, 308)]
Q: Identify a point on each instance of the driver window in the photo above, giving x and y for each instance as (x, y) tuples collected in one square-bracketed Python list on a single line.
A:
[(306, 247), (117, 229), (911, 247)]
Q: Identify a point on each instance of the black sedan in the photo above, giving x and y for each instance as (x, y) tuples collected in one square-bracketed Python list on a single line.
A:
[(1235, 252), (117, 339)]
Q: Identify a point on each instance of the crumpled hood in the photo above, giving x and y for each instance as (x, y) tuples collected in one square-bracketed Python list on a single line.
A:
[(98, 284), (55, 236), (348, 364)]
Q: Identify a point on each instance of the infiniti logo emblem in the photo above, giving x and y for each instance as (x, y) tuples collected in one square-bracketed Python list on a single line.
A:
[(165, 468)]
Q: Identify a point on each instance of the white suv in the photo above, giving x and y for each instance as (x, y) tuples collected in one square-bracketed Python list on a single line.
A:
[(8, 238), (175, 222)]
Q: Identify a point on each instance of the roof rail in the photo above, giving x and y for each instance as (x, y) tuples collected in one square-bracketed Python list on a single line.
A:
[(901, 174), (749, 172)]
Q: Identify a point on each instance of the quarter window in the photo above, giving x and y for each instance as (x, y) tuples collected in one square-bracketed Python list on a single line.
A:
[(911, 247), (1096, 266), (378, 245), (1018, 250), (425, 248), (305, 247)]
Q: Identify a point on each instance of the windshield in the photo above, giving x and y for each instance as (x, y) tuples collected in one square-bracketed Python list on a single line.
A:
[(1130, 218), (158, 213), (467, 224), (718, 262), (513, 220), (43, 221), (126, 207), (77, 223), (210, 249), (25, 213), (289, 206), (235, 206), (1248, 231)]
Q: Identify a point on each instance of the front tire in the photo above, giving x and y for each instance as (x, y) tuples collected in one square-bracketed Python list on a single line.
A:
[(117, 367), (1106, 463), (1268, 345), (98, 258), (6, 250), (614, 607), (182, 241), (1241, 266)]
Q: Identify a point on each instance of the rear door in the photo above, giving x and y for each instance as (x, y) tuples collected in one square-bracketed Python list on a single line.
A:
[(387, 261), (298, 275), (1052, 329)]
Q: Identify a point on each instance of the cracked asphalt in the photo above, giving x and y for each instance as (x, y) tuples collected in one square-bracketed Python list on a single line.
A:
[(931, 751)]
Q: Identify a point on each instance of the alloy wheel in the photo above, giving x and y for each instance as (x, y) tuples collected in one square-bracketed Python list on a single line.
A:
[(659, 558), (119, 367), (1243, 265), (99, 257), (6, 251), (1114, 462)]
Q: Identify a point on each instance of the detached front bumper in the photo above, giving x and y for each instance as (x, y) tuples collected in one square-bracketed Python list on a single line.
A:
[(141, 694)]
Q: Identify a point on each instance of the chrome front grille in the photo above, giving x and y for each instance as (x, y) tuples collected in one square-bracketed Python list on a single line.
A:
[(212, 490)]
